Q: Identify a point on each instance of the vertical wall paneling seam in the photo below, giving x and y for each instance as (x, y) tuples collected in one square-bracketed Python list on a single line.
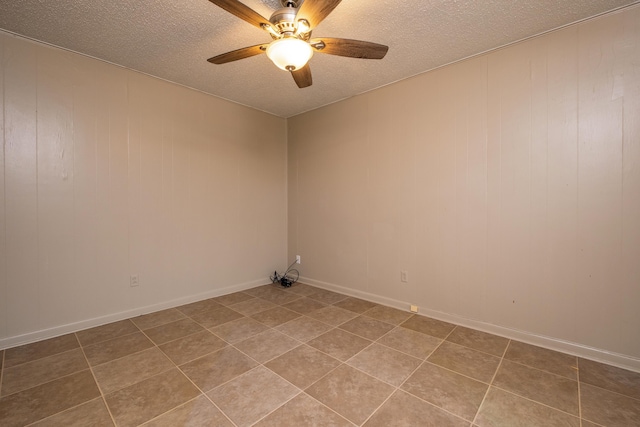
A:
[(128, 172), (4, 190), (546, 156), (368, 202), (486, 185), (500, 212), (530, 160), (74, 251), (37, 254), (414, 226), (577, 219), (172, 214), (622, 144), (163, 202)]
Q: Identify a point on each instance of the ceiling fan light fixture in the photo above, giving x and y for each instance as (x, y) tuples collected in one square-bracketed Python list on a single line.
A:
[(289, 53)]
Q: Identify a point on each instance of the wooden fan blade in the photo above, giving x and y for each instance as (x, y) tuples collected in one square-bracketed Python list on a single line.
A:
[(237, 54), (238, 9), (303, 76), (350, 48), (314, 11)]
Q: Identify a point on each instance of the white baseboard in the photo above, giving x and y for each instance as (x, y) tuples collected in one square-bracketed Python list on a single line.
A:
[(599, 355), (98, 321)]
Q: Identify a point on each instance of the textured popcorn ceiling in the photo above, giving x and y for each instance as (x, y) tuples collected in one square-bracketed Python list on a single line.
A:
[(172, 40)]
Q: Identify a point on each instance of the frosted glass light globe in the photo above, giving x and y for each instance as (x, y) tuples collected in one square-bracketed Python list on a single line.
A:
[(289, 53)]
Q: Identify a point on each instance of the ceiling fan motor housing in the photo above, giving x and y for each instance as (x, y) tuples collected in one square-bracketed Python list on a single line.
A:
[(284, 20)]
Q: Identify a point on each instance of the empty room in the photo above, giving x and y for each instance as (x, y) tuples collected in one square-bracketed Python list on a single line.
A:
[(320, 213)]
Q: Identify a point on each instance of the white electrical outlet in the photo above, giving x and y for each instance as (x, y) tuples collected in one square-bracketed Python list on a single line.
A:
[(298, 261), (404, 276), (133, 280)]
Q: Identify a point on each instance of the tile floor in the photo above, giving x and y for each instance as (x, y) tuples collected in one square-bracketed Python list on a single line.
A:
[(302, 356)]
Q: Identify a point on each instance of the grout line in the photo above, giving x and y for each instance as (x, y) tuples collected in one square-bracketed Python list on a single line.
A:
[(540, 370), (280, 405), (96, 381), (202, 393), (42, 359), (68, 409), (579, 391), (2, 363), (534, 401), (611, 391), (396, 390), (486, 393), (396, 387)]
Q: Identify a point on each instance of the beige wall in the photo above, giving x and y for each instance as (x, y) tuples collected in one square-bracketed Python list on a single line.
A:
[(108, 173), (507, 186)]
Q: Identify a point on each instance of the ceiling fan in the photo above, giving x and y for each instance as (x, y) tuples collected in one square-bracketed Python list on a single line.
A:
[(292, 46)]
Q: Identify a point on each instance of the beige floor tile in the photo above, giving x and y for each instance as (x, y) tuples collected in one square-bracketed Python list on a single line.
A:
[(264, 290), (542, 358), (252, 306), (302, 289), (34, 404), (304, 305), (233, 298), (340, 344), (332, 315), (217, 368), (212, 318), (199, 412), (354, 350), (403, 409), (608, 408), (107, 351), (106, 332), (477, 340), (275, 316), (411, 342), (172, 331), (93, 413), (384, 363), (327, 297), (281, 297), (356, 305), (453, 392), (303, 410), (267, 345), (252, 396), (303, 366), (38, 350), (367, 327), (463, 360), (304, 328), (550, 389), (505, 409), (158, 318), (191, 347), (128, 370), (31, 374), (198, 306), (273, 294), (147, 399), (239, 329), (351, 393), (610, 378), (388, 314), (429, 326)]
